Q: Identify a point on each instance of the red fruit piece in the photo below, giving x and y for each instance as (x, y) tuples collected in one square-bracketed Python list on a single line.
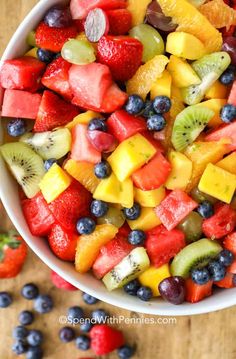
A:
[(53, 112), (122, 125), (72, 204), (125, 230), (221, 223), (232, 95), (232, 268), (13, 254), (21, 104), (82, 149), (80, 8), (175, 207), (110, 255), (52, 38), (158, 146), (105, 339), (79, 25), (38, 216), (61, 283), (153, 174), (23, 73), (122, 54), (229, 281), (230, 243), (120, 21), (162, 245), (56, 77), (102, 141), (223, 132), (114, 99), (196, 292), (63, 243)]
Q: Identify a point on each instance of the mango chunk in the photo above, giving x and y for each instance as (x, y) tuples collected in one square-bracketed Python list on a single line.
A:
[(214, 105), (127, 193), (138, 10), (181, 171), (228, 163), (185, 45), (153, 276), (218, 183), (162, 86), (83, 118), (217, 90), (146, 221), (130, 155), (149, 198), (32, 52), (182, 73), (176, 93)]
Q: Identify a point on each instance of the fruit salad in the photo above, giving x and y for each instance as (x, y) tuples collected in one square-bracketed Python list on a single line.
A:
[(120, 128)]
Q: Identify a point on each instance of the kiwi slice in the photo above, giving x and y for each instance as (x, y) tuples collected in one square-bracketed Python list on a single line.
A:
[(209, 68), (128, 269), (196, 254), (26, 166), (189, 124), (50, 144)]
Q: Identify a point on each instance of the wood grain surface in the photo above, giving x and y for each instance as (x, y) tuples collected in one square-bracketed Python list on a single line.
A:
[(201, 337)]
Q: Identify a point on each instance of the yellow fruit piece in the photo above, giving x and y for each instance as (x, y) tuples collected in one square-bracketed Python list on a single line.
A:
[(202, 153), (217, 90), (162, 86), (219, 13), (127, 193), (142, 82), (214, 105), (54, 182), (32, 52), (153, 276), (181, 171), (130, 155), (192, 21), (83, 172), (83, 118), (176, 93), (146, 221), (149, 198), (138, 10), (218, 183), (177, 106), (182, 73), (185, 45), (88, 246), (228, 163)]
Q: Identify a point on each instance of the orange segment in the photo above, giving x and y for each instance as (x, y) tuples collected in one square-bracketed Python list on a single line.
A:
[(218, 13)]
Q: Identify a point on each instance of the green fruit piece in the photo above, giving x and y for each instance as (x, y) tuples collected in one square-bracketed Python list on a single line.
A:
[(31, 41), (128, 269), (192, 227), (197, 254), (189, 124), (113, 216), (26, 166), (209, 68), (78, 52), (50, 144), (199, 196), (152, 41)]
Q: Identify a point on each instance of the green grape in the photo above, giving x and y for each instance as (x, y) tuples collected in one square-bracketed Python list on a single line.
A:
[(31, 39), (192, 227), (199, 196), (150, 38), (113, 216), (78, 52)]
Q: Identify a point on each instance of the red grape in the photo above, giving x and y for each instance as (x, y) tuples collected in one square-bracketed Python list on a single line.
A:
[(172, 289), (157, 19), (102, 141)]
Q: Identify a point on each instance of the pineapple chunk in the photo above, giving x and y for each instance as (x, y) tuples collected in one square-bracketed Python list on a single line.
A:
[(162, 86), (217, 90), (185, 45), (149, 198), (138, 10), (228, 163), (181, 171), (32, 52), (130, 155), (146, 221), (218, 183), (214, 105), (182, 73), (83, 118), (153, 276), (83, 172), (54, 182)]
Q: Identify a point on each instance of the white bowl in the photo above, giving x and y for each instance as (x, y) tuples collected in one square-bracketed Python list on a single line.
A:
[(9, 196)]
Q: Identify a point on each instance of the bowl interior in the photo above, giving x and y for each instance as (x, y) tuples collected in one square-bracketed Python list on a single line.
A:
[(87, 283)]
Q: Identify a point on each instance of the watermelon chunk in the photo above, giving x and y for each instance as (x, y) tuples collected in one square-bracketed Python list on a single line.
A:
[(80, 8), (224, 132), (20, 104), (195, 292), (229, 281)]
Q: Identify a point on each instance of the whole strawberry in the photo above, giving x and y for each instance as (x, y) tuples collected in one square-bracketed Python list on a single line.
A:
[(122, 54), (105, 339), (120, 21)]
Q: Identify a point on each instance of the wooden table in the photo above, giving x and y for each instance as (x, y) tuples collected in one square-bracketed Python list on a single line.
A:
[(201, 337)]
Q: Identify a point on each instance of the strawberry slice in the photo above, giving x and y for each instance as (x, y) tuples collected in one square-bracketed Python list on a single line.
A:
[(120, 21), (63, 243), (80, 8)]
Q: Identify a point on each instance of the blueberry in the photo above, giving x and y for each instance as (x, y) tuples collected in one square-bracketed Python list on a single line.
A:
[(26, 317), (228, 113), (132, 287), (161, 104), (45, 56), (144, 293), (19, 347), (97, 124), (85, 225), (43, 304), (156, 123), (200, 276), (125, 352), (133, 212), (137, 237), (86, 326), (226, 257), (82, 342), (48, 163), (35, 338), (205, 209), (102, 170), (30, 291), (16, 127), (20, 332), (217, 270), (66, 334), (5, 300), (99, 208), (227, 77), (148, 110), (134, 105), (34, 353), (58, 16), (75, 314), (99, 316), (89, 299)]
